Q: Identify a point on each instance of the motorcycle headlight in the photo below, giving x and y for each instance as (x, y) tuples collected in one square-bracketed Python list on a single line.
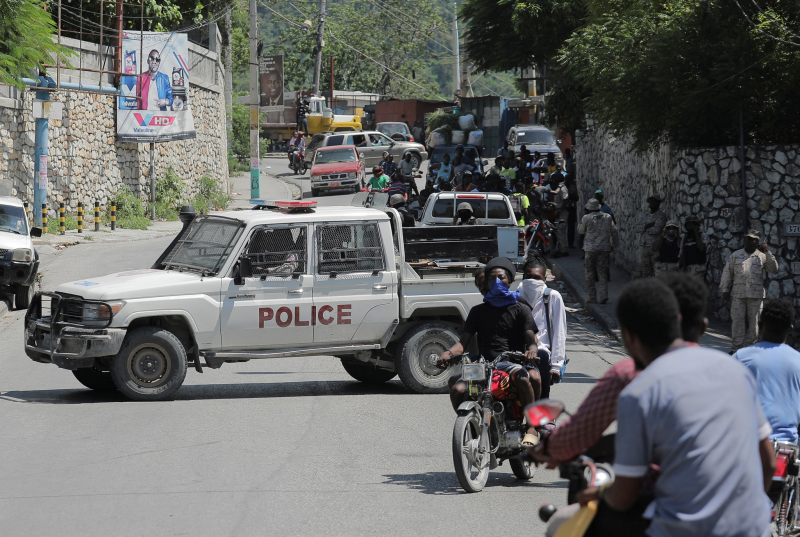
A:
[(22, 254), (473, 372), (99, 313), (351, 175)]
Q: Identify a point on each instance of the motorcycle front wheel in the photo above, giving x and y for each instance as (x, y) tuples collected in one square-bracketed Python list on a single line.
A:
[(472, 468)]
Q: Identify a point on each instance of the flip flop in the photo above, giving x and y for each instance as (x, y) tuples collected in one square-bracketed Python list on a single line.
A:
[(530, 440)]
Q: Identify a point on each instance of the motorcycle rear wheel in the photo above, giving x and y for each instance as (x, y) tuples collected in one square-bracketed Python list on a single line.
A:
[(466, 438), (522, 470)]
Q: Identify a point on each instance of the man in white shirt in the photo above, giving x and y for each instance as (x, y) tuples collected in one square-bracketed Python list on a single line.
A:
[(552, 322)]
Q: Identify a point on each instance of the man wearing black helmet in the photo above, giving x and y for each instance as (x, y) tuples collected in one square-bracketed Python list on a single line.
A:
[(502, 324)]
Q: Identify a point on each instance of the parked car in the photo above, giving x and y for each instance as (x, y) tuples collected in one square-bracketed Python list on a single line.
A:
[(535, 138), (396, 130), (19, 261), (371, 143), (337, 167), (470, 152)]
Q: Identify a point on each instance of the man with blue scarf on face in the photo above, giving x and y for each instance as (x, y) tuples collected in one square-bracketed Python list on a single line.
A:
[(502, 324)]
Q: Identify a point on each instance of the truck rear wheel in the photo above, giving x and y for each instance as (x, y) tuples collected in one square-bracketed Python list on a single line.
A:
[(93, 379), (150, 366), (418, 353), (367, 373)]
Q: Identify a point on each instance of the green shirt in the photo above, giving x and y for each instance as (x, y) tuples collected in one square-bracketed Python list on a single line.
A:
[(379, 182), (525, 204), (511, 177)]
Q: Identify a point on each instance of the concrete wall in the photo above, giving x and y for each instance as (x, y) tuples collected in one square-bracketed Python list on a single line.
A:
[(705, 182), (86, 162)]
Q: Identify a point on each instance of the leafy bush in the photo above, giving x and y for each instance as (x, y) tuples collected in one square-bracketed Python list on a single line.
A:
[(212, 196), (169, 196), (440, 118), (130, 210)]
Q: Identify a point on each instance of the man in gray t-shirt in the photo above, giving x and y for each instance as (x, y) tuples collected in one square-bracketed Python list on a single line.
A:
[(694, 413)]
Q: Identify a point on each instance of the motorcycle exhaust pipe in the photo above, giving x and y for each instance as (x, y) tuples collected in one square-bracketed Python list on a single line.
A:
[(499, 409)]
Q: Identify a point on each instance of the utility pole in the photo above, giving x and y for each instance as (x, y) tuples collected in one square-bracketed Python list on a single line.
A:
[(457, 53), (229, 78), (319, 45), (255, 179)]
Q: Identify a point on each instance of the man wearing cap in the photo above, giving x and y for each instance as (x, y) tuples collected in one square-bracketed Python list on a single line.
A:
[(463, 216), (604, 208), (667, 249), (398, 203), (693, 248), (651, 230), (600, 238), (743, 284)]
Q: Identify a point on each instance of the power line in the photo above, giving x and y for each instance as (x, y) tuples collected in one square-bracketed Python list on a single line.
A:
[(774, 21), (754, 25), (263, 4)]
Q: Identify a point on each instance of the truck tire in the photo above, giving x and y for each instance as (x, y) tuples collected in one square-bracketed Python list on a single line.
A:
[(93, 379), (22, 296), (417, 352), (367, 373), (150, 366)]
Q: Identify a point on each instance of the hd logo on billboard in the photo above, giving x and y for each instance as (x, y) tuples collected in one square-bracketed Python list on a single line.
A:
[(156, 121)]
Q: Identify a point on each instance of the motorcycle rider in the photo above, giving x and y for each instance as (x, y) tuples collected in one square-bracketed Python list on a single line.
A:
[(684, 405), (776, 368), (398, 202), (378, 181), (407, 171), (297, 145), (532, 290), (502, 324), (389, 167)]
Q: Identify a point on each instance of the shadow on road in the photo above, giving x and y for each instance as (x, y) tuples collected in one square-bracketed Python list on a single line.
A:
[(578, 378), (215, 391), (446, 483)]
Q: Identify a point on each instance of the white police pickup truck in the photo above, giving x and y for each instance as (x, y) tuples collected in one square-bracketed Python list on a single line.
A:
[(285, 279)]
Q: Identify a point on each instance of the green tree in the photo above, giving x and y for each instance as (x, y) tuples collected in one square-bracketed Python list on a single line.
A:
[(681, 70), (26, 40)]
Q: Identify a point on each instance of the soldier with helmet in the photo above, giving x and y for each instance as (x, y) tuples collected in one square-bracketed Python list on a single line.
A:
[(667, 249), (651, 229), (600, 238), (743, 284), (463, 216), (693, 248)]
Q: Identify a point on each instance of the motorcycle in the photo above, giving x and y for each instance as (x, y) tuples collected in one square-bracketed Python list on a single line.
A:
[(785, 488), (592, 469), (299, 162), (488, 429), (538, 236)]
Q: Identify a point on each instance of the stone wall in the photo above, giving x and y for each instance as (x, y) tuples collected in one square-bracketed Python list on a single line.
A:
[(705, 182), (87, 163)]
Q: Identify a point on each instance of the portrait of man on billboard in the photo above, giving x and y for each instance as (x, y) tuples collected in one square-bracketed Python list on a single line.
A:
[(153, 88), (271, 78)]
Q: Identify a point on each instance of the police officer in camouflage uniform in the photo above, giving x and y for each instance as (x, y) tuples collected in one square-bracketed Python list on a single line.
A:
[(560, 198), (600, 238), (743, 284), (651, 230), (693, 248), (667, 249)]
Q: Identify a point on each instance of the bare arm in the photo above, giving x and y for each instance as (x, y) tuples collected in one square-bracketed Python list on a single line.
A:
[(767, 455), (458, 348), (619, 495)]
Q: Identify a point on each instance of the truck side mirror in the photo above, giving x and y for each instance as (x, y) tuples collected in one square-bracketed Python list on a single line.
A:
[(36, 232), (245, 271), (361, 156)]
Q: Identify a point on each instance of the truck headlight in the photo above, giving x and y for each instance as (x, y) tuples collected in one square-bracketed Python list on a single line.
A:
[(22, 254), (351, 175), (315, 178), (99, 313)]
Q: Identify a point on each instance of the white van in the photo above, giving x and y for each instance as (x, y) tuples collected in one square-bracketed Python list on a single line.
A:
[(19, 262)]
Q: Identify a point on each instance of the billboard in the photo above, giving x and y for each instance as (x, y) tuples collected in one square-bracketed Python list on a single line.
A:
[(270, 71), (154, 101)]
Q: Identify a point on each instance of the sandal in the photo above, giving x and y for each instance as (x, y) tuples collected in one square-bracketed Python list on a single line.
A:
[(530, 440)]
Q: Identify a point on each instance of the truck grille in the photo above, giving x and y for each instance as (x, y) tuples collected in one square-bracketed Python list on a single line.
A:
[(3, 252), (334, 177)]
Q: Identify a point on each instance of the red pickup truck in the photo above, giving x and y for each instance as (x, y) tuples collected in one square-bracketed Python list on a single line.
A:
[(336, 167)]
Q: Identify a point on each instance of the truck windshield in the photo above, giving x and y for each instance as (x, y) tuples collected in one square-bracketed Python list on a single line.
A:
[(393, 128), (336, 155), (535, 137), (205, 245), (12, 220)]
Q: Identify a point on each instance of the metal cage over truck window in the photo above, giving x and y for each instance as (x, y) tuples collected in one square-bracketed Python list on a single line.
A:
[(278, 250), (345, 248)]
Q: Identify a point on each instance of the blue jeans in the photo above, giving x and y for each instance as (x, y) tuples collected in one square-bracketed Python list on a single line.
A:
[(304, 123)]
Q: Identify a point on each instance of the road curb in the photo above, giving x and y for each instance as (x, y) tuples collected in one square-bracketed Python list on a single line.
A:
[(292, 190), (606, 321)]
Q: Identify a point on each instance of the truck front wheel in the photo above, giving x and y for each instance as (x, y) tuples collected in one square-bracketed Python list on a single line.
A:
[(418, 353), (150, 366), (367, 374)]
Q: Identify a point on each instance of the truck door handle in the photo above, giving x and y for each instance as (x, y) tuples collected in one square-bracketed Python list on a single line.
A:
[(378, 287), (296, 292)]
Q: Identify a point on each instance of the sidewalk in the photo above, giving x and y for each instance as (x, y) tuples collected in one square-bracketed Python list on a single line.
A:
[(271, 188), (570, 271)]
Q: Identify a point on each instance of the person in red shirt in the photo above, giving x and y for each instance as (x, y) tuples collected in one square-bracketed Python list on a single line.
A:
[(599, 410)]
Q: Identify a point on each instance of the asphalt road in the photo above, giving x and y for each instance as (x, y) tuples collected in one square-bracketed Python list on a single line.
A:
[(290, 446)]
